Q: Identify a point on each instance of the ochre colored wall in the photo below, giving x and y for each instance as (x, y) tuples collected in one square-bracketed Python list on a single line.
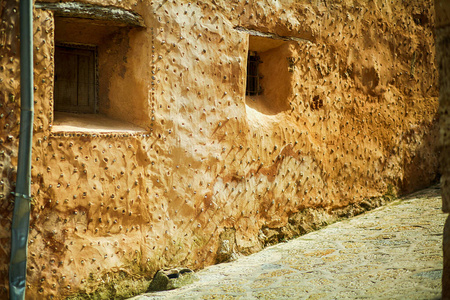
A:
[(443, 61), (208, 164)]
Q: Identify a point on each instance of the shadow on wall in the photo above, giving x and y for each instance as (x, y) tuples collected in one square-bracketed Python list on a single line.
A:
[(421, 161)]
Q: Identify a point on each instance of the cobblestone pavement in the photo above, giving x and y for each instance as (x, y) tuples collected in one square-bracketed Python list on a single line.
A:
[(393, 252)]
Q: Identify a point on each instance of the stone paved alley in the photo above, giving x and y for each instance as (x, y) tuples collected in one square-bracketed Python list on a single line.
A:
[(393, 252)]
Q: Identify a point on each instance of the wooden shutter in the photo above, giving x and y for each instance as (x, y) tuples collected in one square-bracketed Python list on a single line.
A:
[(75, 79)]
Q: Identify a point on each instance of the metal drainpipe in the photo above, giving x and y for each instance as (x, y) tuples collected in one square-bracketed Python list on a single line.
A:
[(21, 214)]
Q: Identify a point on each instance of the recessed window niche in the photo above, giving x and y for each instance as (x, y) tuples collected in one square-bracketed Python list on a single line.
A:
[(269, 77), (96, 87)]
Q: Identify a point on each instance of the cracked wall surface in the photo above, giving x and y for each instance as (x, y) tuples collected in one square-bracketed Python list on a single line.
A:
[(209, 173)]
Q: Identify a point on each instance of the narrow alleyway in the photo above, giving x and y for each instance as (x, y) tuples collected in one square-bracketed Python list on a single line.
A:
[(393, 252)]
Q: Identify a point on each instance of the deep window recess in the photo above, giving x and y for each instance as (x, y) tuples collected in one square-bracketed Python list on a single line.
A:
[(92, 77), (253, 76), (271, 61), (269, 81), (76, 86)]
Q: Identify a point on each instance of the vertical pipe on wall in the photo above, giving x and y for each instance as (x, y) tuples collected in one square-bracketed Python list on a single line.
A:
[(21, 214)]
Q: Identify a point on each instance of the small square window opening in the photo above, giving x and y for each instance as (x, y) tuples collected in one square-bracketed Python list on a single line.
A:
[(90, 63), (269, 81)]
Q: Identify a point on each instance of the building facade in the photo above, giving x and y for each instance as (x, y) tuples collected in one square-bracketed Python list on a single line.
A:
[(181, 133)]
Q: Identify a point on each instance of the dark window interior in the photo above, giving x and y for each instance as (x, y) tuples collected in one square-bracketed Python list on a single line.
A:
[(253, 87), (75, 79), (317, 103)]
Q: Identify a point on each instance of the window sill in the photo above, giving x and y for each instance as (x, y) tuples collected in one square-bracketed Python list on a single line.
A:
[(93, 123)]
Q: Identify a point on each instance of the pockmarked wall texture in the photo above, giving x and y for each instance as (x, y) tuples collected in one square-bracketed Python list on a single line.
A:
[(180, 167), (442, 26)]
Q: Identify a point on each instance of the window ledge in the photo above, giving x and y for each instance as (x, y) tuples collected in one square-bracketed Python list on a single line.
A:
[(94, 123)]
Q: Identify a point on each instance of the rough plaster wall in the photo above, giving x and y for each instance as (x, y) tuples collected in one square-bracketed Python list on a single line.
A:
[(443, 61), (210, 165)]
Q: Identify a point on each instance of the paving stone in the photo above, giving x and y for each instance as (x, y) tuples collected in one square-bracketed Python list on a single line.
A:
[(392, 252)]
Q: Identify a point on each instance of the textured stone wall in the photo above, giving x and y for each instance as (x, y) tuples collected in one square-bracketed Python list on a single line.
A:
[(356, 120), (443, 60)]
